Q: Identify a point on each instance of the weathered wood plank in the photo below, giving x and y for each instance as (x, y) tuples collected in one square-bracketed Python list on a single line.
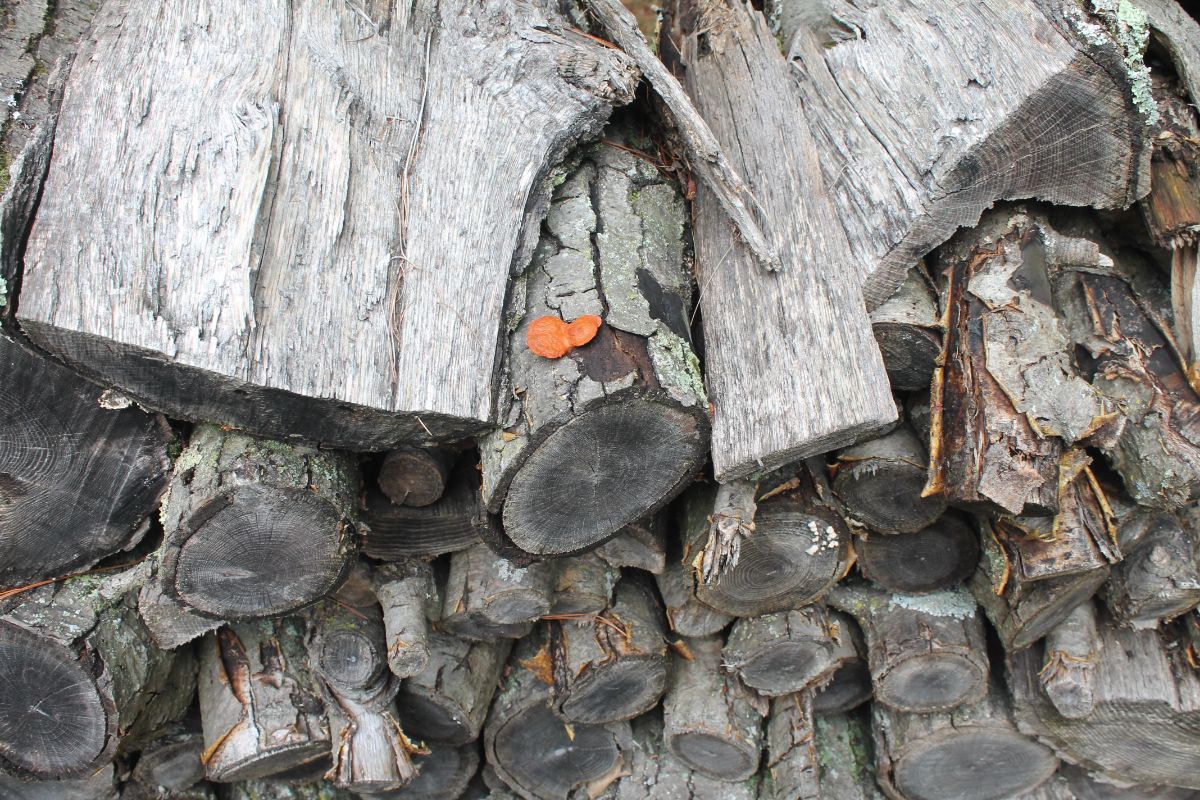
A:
[(263, 235), (792, 368)]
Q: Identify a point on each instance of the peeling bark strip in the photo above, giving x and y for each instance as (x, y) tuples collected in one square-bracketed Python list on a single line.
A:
[(996, 100), (77, 479), (259, 701), (790, 363), (532, 750), (1144, 723), (260, 231), (600, 438), (82, 678), (256, 528)]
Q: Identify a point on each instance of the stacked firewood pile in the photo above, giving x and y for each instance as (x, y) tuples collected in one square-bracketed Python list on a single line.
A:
[(387, 413)]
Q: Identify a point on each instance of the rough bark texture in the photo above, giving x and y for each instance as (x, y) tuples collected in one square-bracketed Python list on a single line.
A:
[(348, 651), (100, 785), (283, 251), (1159, 579), (1144, 726), (793, 762), (259, 701), (487, 596), (801, 375), (799, 548), (83, 680), (77, 479), (782, 653), (582, 585), (908, 328), (845, 757), (711, 721), (408, 596), (926, 652), (642, 545), (1051, 107), (938, 556), (530, 748), (610, 432), (451, 523), (169, 766), (448, 700), (442, 774), (612, 666), (686, 615), (971, 753), (850, 684), (880, 483)]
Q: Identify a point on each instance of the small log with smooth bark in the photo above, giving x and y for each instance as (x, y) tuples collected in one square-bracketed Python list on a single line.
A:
[(487, 596)]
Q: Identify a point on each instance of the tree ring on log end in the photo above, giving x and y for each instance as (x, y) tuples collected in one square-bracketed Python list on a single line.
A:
[(972, 764), (443, 773), (632, 686), (933, 682), (351, 658), (599, 472), (255, 552), (789, 561), (714, 756), (786, 667), (935, 557), (534, 750), (54, 722), (893, 504)]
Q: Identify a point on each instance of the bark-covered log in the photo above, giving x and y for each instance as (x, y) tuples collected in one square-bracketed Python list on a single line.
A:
[(926, 652), (1055, 109), (448, 700), (533, 751), (452, 523), (348, 651), (1110, 301), (908, 328), (971, 753), (880, 483), (408, 596), (1034, 570), (712, 723), (1085, 786), (415, 476), (253, 527), (1007, 402), (82, 679), (100, 785), (169, 622), (793, 763), (78, 478), (613, 666), (610, 432), (784, 652), (442, 774), (1159, 578), (1144, 726), (487, 596), (260, 702), (650, 772), (846, 757), (1071, 650), (800, 545), (642, 545), (273, 790), (686, 615), (582, 585), (802, 374), (286, 253), (938, 556), (169, 766), (850, 684)]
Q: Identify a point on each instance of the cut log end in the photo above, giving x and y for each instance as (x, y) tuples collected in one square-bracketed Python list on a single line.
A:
[(787, 665), (412, 476), (849, 688), (938, 556), (985, 764), (715, 756), (599, 472), (256, 553), (926, 683), (545, 758), (631, 683), (909, 354), (54, 721)]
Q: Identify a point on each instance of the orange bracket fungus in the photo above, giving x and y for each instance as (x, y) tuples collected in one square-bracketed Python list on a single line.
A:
[(550, 337)]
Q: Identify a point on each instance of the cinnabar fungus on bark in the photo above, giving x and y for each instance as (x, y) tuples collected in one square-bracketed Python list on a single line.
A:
[(550, 337)]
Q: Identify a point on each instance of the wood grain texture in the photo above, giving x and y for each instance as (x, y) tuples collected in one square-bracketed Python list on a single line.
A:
[(273, 221), (996, 100), (791, 366)]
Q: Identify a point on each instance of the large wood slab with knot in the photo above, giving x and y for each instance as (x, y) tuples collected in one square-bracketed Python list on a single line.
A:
[(300, 217)]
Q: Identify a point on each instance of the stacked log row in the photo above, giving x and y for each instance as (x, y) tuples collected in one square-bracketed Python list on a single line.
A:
[(964, 564)]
